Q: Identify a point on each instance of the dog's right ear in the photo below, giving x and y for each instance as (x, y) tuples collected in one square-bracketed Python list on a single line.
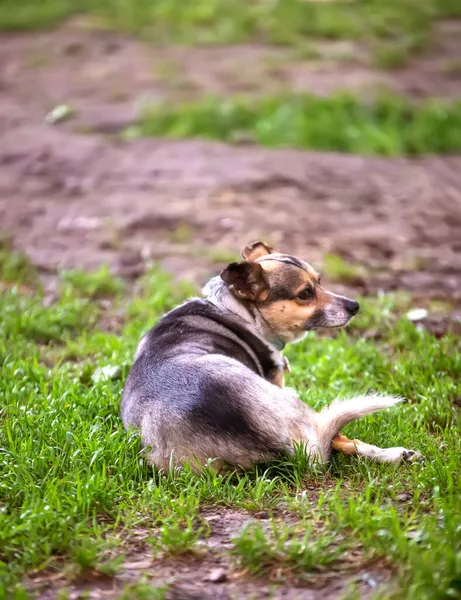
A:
[(256, 250), (246, 280)]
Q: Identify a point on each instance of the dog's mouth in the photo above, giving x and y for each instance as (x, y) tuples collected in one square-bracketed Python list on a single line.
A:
[(333, 316)]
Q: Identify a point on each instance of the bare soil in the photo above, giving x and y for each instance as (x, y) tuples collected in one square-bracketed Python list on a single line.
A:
[(76, 200), (212, 573)]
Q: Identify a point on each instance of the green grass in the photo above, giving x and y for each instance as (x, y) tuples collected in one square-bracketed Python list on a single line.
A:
[(93, 285), (14, 265), (453, 67), (285, 22), (299, 548), (143, 591), (20, 15), (390, 56), (390, 125), (75, 488), (340, 270)]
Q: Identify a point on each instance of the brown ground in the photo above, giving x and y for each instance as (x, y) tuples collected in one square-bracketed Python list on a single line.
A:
[(211, 573), (74, 199), (77, 201)]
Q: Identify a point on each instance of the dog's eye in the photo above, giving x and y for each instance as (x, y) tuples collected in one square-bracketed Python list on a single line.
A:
[(306, 293)]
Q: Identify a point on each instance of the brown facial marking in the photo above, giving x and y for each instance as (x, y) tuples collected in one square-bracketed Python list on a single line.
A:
[(287, 293), (283, 309), (296, 301), (288, 323), (287, 279)]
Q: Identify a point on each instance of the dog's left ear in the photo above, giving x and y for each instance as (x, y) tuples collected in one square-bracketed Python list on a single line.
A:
[(256, 250), (246, 280)]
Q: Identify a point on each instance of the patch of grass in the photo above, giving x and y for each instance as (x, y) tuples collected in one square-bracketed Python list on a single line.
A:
[(178, 536), (75, 486), (394, 54), (88, 555), (95, 284), (390, 126), (430, 567), (306, 52), (37, 60), (282, 22), (15, 267), (448, 8), (390, 56), (19, 15), (170, 71), (143, 591), (453, 67), (183, 234), (25, 318), (338, 269), (219, 256), (297, 548)]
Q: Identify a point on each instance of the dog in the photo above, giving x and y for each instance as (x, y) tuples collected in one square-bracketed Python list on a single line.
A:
[(207, 383)]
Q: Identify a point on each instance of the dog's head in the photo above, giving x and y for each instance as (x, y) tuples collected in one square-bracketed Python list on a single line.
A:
[(286, 292)]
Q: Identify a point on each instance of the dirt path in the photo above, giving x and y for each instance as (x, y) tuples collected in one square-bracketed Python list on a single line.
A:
[(77, 201), (71, 199)]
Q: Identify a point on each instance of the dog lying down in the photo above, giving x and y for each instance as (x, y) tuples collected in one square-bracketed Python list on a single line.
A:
[(207, 381)]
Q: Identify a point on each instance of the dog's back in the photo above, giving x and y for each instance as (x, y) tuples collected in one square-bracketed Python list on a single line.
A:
[(198, 390)]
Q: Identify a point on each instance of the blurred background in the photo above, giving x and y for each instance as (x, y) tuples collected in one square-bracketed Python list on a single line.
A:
[(137, 133)]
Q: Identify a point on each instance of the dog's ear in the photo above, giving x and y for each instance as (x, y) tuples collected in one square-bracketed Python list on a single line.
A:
[(246, 280), (256, 250)]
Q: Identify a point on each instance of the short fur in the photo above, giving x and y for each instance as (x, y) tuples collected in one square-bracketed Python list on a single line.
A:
[(207, 380)]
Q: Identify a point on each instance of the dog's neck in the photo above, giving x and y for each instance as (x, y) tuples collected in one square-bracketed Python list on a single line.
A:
[(217, 292)]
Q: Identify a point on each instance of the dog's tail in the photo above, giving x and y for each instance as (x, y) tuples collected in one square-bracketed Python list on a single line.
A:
[(342, 411)]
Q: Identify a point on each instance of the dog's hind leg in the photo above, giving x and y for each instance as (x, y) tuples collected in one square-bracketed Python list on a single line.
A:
[(343, 444)]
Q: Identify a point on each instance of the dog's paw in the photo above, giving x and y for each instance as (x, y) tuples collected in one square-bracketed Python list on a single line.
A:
[(398, 454), (412, 456)]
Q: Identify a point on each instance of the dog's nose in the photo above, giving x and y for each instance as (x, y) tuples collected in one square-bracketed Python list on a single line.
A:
[(352, 307)]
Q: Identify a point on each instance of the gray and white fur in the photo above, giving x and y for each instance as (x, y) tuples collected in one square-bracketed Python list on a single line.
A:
[(202, 387)]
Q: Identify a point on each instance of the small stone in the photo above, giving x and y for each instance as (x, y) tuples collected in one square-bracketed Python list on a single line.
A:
[(417, 314), (217, 576), (369, 580), (105, 304), (79, 223), (403, 497), (227, 223), (262, 514)]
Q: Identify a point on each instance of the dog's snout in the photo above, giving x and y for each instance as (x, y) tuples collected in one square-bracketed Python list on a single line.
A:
[(352, 307)]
